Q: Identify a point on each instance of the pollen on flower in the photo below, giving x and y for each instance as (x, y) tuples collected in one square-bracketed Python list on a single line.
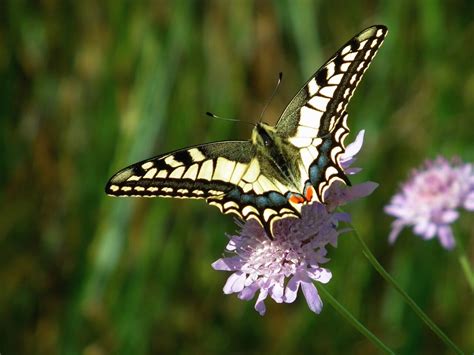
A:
[(430, 199), (293, 260)]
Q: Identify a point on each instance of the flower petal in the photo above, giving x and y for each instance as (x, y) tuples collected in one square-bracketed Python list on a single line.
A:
[(248, 292), (227, 264), (235, 282), (260, 304), (292, 287), (312, 297), (446, 237), (469, 201), (353, 148), (449, 216)]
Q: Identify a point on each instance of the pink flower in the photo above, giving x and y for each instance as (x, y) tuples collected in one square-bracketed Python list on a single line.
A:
[(278, 268), (429, 200)]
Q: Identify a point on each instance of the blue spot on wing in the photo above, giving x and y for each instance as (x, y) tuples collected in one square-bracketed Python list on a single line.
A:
[(262, 202), (277, 199)]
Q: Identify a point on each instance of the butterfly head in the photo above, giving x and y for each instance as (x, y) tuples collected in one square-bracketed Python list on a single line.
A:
[(264, 135)]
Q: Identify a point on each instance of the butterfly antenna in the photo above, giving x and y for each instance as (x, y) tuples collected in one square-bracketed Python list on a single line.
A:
[(210, 114), (280, 77)]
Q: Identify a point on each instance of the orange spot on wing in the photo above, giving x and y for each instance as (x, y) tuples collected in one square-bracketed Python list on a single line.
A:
[(296, 199), (309, 193)]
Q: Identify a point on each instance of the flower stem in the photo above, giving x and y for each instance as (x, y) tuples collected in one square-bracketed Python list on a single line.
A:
[(422, 315), (466, 268), (464, 261), (351, 319)]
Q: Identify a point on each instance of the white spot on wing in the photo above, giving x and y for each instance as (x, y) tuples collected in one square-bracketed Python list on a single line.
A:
[(150, 174), (172, 162), (239, 170), (162, 174), (268, 213), (306, 157), (330, 171), (335, 79), (328, 90), (300, 142), (192, 172), (350, 57), (338, 134), (249, 209), (312, 87), (266, 184), (177, 173), (253, 171), (133, 178), (147, 165), (319, 102), (114, 188), (310, 117), (331, 67), (335, 151), (307, 132), (362, 44), (230, 204), (258, 189), (346, 50), (196, 155), (313, 151), (345, 66), (206, 170), (223, 170), (246, 187)]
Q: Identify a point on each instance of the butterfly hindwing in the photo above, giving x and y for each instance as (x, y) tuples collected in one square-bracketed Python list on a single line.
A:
[(315, 120)]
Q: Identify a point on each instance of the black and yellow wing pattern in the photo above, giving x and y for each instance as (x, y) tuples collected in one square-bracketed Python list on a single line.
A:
[(280, 168)]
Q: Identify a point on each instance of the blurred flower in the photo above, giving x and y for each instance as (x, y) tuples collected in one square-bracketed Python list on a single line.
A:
[(292, 260), (429, 200)]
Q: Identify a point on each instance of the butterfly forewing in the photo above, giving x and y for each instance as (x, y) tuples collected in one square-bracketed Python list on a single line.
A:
[(315, 119), (196, 172)]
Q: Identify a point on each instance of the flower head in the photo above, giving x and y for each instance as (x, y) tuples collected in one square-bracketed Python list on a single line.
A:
[(429, 200), (278, 268)]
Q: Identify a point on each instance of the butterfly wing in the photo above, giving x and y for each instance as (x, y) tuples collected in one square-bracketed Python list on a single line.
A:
[(201, 171), (315, 121), (227, 174)]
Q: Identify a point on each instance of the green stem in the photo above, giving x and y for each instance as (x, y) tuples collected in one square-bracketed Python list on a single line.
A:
[(351, 319), (422, 315), (464, 261), (466, 268)]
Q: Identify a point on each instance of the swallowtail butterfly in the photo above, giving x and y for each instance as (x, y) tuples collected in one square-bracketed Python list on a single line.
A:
[(270, 176)]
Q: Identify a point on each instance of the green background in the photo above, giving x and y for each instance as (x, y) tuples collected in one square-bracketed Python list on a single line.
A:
[(89, 87)]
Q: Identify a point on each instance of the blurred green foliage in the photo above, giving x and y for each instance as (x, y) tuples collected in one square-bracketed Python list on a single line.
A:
[(89, 87)]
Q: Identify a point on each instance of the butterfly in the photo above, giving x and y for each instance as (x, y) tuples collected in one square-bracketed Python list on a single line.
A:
[(282, 167)]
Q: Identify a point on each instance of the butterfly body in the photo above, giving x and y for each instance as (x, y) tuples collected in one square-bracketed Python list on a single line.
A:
[(281, 167)]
